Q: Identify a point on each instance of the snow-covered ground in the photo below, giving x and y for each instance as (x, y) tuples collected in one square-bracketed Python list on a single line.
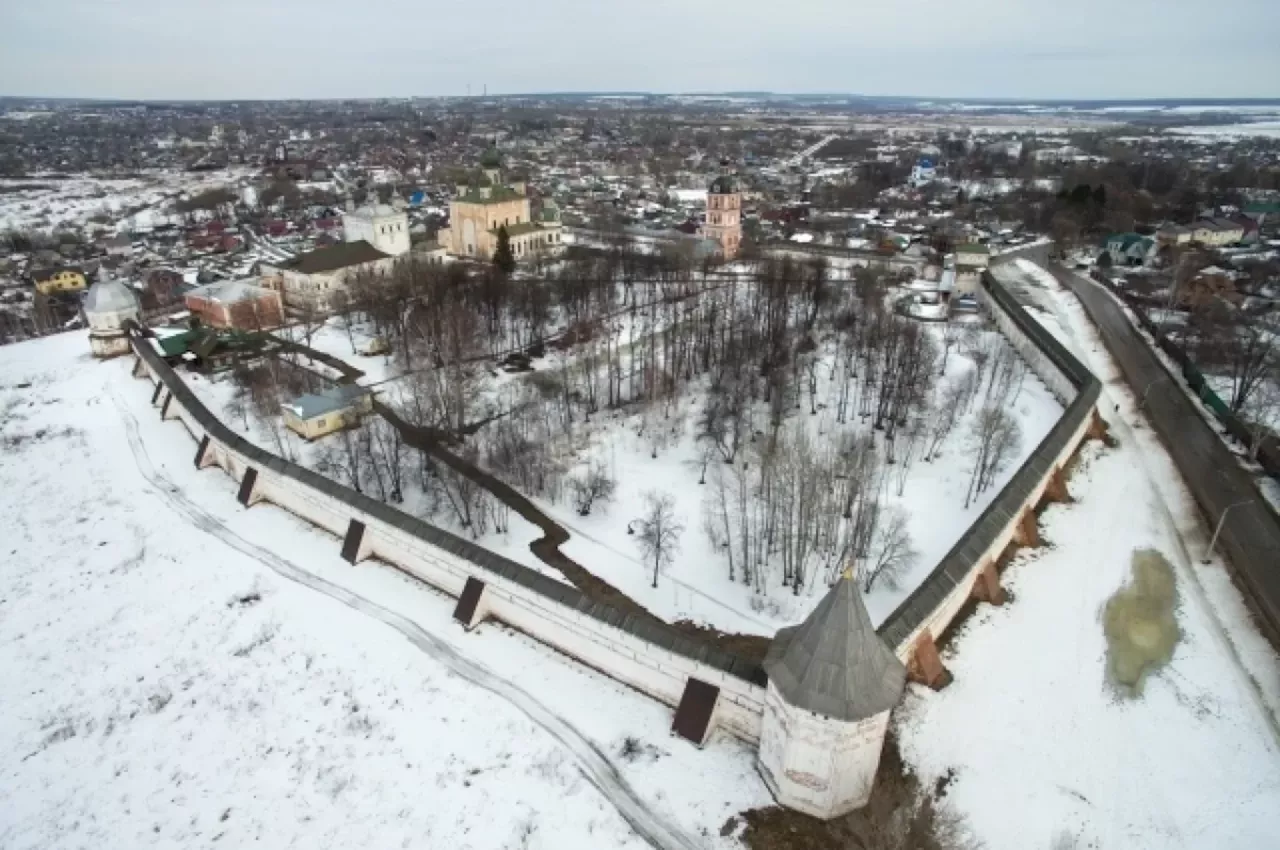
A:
[(697, 585), (1037, 746), (179, 672), (46, 204)]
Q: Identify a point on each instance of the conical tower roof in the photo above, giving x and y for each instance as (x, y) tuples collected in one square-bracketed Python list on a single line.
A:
[(834, 663)]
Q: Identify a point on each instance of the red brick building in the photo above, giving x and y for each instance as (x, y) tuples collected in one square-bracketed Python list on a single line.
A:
[(239, 304)]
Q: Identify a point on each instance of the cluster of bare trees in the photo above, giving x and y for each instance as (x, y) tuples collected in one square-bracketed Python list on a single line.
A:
[(812, 400), (794, 511)]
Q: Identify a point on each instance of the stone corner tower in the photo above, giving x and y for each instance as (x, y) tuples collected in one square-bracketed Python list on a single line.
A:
[(724, 213), (108, 306), (832, 684)]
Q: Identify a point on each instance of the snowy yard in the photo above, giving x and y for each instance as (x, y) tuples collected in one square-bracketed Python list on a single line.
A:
[(1031, 741), (697, 585), (178, 671), (46, 204)]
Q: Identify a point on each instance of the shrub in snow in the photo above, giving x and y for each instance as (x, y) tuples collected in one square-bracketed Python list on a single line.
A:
[(595, 485)]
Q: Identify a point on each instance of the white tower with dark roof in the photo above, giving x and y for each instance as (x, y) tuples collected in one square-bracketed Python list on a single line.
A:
[(832, 684)]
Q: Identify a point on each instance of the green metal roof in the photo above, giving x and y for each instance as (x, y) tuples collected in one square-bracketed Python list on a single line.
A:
[(491, 158), (971, 248), (1127, 240), (174, 345), (500, 194)]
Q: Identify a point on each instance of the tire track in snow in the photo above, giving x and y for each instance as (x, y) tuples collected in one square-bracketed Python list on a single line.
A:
[(592, 762)]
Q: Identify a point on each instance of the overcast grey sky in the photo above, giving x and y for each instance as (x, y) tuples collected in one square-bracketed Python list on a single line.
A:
[(390, 48)]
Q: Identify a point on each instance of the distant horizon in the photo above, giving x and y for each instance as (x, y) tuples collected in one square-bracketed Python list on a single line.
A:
[(915, 99), (1011, 50)]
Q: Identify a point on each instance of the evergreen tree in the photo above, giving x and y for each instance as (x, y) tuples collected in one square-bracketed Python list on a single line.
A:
[(502, 256)]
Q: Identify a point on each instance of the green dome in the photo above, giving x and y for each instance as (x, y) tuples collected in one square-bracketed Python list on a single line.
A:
[(723, 185), (491, 158)]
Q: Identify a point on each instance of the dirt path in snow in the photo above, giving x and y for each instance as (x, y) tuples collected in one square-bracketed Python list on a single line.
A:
[(592, 762)]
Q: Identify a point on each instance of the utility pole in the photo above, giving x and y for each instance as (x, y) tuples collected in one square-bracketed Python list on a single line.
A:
[(1208, 554)]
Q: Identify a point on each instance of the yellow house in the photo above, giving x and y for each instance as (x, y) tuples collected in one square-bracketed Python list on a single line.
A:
[(62, 279), (314, 415)]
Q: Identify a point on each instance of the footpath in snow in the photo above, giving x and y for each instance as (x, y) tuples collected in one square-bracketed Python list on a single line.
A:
[(1037, 748)]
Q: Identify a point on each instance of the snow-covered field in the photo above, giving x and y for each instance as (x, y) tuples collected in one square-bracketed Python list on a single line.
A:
[(180, 672), (45, 204), (1035, 746), (1221, 132)]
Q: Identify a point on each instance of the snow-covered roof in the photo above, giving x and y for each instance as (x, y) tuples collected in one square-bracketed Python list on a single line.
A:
[(311, 405), (109, 296), (230, 291)]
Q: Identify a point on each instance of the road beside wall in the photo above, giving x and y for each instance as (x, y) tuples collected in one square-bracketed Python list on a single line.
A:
[(1250, 534)]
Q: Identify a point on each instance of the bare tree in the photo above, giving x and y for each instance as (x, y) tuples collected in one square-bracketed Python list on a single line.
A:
[(659, 537), (1261, 414), (892, 552), (1240, 345), (594, 485), (996, 437)]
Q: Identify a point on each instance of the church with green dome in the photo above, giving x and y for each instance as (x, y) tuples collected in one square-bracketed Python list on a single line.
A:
[(486, 200)]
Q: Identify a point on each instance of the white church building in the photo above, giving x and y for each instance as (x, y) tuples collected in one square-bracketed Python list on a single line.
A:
[(381, 225)]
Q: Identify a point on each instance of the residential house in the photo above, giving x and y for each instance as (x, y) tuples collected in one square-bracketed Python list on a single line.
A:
[(1130, 249), (1174, 235), (59, 279), (236, 304), (316, 414), (1216, 232), (1258, 211)]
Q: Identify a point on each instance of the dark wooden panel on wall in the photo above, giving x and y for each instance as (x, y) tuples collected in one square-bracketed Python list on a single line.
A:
[(351, 544), (697, 704), (467, 602), (246, 486)]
